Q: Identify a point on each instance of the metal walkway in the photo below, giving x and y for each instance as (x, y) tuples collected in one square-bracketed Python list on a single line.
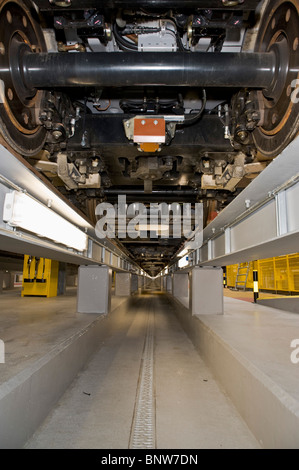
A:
[(146, 387)]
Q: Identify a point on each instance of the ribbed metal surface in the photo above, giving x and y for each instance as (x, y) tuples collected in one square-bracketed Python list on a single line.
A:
[(143, 431)]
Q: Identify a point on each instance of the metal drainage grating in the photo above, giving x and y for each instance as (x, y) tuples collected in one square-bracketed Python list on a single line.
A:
[(143, 431)]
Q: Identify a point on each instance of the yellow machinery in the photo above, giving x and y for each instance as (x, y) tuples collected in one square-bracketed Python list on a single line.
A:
[(274, 274), (40, 276)]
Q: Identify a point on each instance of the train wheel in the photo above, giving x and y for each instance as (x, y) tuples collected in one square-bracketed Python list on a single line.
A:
[(279, 31), (19, 26)]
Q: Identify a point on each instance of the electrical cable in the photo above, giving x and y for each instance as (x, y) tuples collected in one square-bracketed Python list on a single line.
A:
[(196, 117), (123, 43), (180, 44)]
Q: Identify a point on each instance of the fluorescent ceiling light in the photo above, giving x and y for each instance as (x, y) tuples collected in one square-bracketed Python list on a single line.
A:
[(182, 253), (21, 210), (152, 227), (183, 262)]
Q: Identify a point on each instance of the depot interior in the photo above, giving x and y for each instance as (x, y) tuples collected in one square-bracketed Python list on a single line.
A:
[(178, 123)]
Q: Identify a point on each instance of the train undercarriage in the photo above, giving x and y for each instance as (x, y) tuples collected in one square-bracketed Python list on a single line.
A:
[(165, 101)]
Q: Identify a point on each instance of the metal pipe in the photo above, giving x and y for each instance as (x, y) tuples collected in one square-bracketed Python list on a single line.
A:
[(119, 69), (167, 4)]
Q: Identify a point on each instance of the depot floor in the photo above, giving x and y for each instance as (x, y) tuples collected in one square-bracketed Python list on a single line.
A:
[(191, 409)]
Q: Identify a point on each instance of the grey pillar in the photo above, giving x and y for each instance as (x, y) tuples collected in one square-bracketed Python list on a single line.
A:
[(169, 283), (180, 287), (8, 280), (123, 284), (1, 281), (141, 282), (94, 289), (206, 293), (61, 287), (134, 283)]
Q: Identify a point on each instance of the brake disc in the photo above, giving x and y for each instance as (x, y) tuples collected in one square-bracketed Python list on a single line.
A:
[(279, 30), (19, 125)]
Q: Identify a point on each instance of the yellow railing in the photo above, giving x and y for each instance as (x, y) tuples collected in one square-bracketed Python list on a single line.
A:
[(274, 274)]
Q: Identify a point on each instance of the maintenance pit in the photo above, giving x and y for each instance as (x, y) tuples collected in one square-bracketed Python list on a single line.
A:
[(148, 175)]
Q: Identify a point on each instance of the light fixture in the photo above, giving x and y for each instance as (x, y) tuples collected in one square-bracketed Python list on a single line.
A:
[(182, 253), (21, 210), (183, 262), (152, 228)]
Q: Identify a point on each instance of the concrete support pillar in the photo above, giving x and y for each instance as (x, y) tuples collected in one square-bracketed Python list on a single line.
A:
[(180, 287), (123, 284), (206, 293), (61, 286), (134, 283), (94, 289), (1, 281), (141, 282), (8, 279), (169, 283)]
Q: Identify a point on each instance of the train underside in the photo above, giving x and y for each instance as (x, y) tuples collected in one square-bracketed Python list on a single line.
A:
[(158, 101)]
